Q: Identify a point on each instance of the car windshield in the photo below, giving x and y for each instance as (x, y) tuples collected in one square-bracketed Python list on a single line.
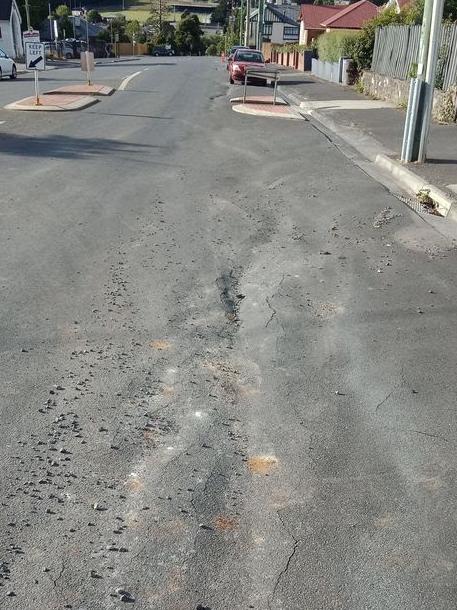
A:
[(250, 56)]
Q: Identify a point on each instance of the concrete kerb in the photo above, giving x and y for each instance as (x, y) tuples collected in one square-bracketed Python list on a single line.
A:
[(375, 152), (82, 89), (28, 104), (261, 110)]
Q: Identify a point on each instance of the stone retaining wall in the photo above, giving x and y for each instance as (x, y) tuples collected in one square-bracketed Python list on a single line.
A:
[(397, 91)]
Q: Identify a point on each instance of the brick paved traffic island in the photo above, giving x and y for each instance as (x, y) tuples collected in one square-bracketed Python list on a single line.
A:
[(263, 106), (60, 102)]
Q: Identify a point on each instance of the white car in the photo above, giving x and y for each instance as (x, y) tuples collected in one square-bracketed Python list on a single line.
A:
[(7, 66)]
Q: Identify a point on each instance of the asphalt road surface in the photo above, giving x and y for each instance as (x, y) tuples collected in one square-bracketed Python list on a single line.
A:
[(227, 361)]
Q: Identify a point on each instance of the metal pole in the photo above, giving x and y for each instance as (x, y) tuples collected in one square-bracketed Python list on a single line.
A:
[(245, 85), (241, 22), (27, 13), (50, 23), (247, 31), (276, 87), (430, 75), (37, 89), (415, 117), (411, 118), (259, 25)]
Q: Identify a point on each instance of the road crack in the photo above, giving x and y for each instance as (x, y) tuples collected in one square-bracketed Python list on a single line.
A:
[(285, 569), (268, 301)]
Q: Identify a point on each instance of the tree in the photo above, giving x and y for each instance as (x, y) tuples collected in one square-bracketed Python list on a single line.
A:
[(189, 34), (221, 13), (39, 10), (62, 11), (94, 16), (133, 30), (158, 16)]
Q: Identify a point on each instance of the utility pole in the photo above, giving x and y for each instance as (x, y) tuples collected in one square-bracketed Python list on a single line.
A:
[(418, 115), (241, 23), (248, 15), (27, 13), (260, 21), (430, 75)]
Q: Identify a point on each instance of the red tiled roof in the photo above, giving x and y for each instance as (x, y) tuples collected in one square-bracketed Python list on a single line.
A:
[(313, 15), (352, 16)]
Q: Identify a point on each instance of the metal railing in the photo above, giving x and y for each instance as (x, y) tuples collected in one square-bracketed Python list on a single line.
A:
[(262, 74)]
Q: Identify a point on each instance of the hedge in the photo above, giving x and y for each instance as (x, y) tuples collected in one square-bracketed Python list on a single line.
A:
[(333, 45)]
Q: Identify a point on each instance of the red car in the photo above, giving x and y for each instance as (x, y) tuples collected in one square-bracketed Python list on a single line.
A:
[(242, 59)]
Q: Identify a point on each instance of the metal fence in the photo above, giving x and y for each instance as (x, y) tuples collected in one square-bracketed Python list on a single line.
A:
[(396, 51)]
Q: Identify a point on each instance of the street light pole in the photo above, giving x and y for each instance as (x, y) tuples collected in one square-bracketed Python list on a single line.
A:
[(430, 75), (27, 14), (248, 15), (418, 115), (241, 23)]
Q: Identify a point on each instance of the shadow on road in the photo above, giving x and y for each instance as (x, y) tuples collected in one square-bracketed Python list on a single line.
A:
[(297, 81), (141, 64), (66, 147), (135, 116)]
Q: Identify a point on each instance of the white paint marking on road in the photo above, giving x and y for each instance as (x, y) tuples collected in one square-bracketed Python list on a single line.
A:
[(2, 122), (126, 81), (198, 413)]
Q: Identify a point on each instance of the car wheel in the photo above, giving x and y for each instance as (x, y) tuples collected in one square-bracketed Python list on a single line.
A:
[(231, 81), (170, 54), (156, 55), (68, 56), (13, 74)]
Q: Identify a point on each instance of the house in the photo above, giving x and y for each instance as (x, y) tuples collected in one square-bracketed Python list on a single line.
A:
[(10, 29), (280, 24), (311, 18), (315, 20)]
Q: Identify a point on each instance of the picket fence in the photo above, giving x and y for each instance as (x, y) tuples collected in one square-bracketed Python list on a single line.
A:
[(396, 52)]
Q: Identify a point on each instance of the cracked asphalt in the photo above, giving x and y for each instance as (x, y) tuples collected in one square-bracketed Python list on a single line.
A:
[(227, 362)]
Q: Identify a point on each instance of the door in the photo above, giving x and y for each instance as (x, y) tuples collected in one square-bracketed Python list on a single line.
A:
[(5, 63)]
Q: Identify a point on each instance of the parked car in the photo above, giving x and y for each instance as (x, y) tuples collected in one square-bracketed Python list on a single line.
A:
[(231, 53), (68, 49), (162, 52), (242, 59), (7, 66)]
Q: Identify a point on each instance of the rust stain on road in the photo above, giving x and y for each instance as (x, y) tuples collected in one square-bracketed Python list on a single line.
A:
[(262, 464), (160, 344), (225, 523)]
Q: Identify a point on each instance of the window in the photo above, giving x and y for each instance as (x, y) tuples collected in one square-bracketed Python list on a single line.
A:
[(290, 33), (267, 29), (249, 56)]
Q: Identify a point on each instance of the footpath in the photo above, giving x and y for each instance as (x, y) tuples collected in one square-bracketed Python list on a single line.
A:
[(374, 128)]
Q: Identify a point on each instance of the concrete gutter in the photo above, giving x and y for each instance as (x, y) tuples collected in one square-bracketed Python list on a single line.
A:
[(380, 156), (413, 183)]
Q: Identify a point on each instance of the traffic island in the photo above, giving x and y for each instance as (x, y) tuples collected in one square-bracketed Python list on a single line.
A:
[(259, 99), (54, 103), (265, 107), (82, 89)]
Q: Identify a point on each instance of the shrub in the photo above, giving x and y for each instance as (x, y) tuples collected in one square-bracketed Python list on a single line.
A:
[(211, 50), (333, 45)]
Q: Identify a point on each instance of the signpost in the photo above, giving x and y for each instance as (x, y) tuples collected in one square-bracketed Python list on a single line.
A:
[(88, 64), (35, 60), (30, 36)]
